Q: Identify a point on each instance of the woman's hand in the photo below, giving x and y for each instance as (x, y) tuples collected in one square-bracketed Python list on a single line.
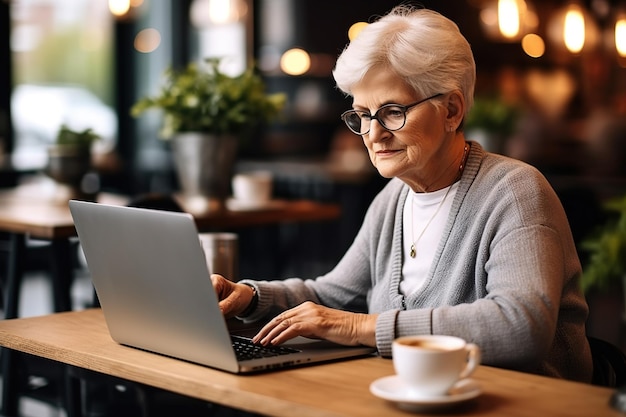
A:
[(233, 298), (319, 322)]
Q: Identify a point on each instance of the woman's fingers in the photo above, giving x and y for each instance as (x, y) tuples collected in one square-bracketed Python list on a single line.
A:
[(309, 320), (232, 297)]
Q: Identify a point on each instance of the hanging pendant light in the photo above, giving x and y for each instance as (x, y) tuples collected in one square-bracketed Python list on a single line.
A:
[(573, 28), (204, 13), (508, 20), (124, 9)]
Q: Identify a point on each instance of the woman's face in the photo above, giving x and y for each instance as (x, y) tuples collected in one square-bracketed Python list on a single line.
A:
[(418, 153)]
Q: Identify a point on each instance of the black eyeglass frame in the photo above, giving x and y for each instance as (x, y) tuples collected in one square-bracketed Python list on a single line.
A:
[(404, 108)]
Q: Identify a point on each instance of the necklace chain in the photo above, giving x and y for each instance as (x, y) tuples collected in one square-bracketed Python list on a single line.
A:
[(413, 251)]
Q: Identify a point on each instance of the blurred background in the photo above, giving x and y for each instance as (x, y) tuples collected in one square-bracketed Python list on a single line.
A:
[(551, 91), (547, 92)]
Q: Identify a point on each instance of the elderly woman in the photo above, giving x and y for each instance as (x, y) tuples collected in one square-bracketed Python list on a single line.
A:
[(460, 241)]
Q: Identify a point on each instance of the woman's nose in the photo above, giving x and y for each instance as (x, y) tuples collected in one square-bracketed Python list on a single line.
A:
[(377, 131)]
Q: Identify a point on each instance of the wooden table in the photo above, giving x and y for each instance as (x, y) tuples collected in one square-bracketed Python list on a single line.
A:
[(336, 389)]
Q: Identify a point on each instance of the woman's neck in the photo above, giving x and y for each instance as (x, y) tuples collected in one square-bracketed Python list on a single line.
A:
[(451, 173)]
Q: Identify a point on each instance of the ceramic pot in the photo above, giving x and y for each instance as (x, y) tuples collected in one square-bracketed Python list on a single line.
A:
[(68, 164), (204, 165)]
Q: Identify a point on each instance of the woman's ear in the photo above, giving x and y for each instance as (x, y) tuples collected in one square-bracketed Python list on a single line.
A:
[(455, 110)]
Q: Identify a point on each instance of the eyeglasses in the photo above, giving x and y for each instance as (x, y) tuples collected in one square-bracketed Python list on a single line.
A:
[(391, 116)]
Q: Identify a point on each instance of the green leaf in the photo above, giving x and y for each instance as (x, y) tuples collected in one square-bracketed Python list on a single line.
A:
[(207, 100), (67, 136)]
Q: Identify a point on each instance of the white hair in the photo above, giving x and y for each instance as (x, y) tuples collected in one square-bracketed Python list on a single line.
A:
[(421, 46)]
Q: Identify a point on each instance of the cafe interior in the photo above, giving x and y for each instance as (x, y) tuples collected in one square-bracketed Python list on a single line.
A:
[(551, 91)]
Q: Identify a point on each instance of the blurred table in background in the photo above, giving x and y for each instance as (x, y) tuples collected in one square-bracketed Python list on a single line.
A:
[(41, 211)]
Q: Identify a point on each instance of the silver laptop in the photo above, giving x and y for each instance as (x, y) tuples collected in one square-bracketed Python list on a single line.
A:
[(152, 282)]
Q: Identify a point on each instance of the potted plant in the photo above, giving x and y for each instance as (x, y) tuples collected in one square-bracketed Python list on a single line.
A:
[(69, 158), (490, 121), (604, 266), (606, 249), (206, 114)]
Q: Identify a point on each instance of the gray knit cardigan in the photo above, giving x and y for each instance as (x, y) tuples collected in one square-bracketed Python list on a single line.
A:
[(505, 274)]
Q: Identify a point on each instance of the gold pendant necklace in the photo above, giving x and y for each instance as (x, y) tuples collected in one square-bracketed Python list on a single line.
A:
[(413, 251)]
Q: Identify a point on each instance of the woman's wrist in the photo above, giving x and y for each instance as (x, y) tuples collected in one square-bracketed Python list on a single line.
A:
[(254, 301), (367, 329)]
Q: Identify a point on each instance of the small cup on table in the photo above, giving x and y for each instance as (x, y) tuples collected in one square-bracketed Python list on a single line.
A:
[(431, 365), (253, 188)]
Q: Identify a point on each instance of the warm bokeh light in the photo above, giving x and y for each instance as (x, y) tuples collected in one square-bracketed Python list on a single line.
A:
[(119, 7), (620, 37), (533, 45), (355, 29), (489, 17), (147, 40), (295, 62), (220, 11), (574, 29), (508, 18), (203, 13)]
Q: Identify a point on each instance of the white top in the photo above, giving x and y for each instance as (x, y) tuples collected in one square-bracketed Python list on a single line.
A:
[(425, 205)]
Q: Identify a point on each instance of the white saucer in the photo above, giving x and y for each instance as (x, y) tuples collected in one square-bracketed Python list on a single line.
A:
[(393, 389)]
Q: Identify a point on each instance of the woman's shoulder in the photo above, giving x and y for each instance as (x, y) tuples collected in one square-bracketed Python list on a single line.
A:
[(500, 160), (504, 181), (502, 168)]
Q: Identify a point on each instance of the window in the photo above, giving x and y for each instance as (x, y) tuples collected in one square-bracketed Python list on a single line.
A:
[(62, 73)]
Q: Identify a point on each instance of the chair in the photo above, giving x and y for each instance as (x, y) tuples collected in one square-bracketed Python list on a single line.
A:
[(609, 363), (23, 375)]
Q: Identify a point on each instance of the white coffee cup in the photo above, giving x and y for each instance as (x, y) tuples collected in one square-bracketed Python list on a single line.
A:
[(431, 365), (253, 187)]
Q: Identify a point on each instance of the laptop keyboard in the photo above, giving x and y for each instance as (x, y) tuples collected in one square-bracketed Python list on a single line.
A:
[(245, 349)]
